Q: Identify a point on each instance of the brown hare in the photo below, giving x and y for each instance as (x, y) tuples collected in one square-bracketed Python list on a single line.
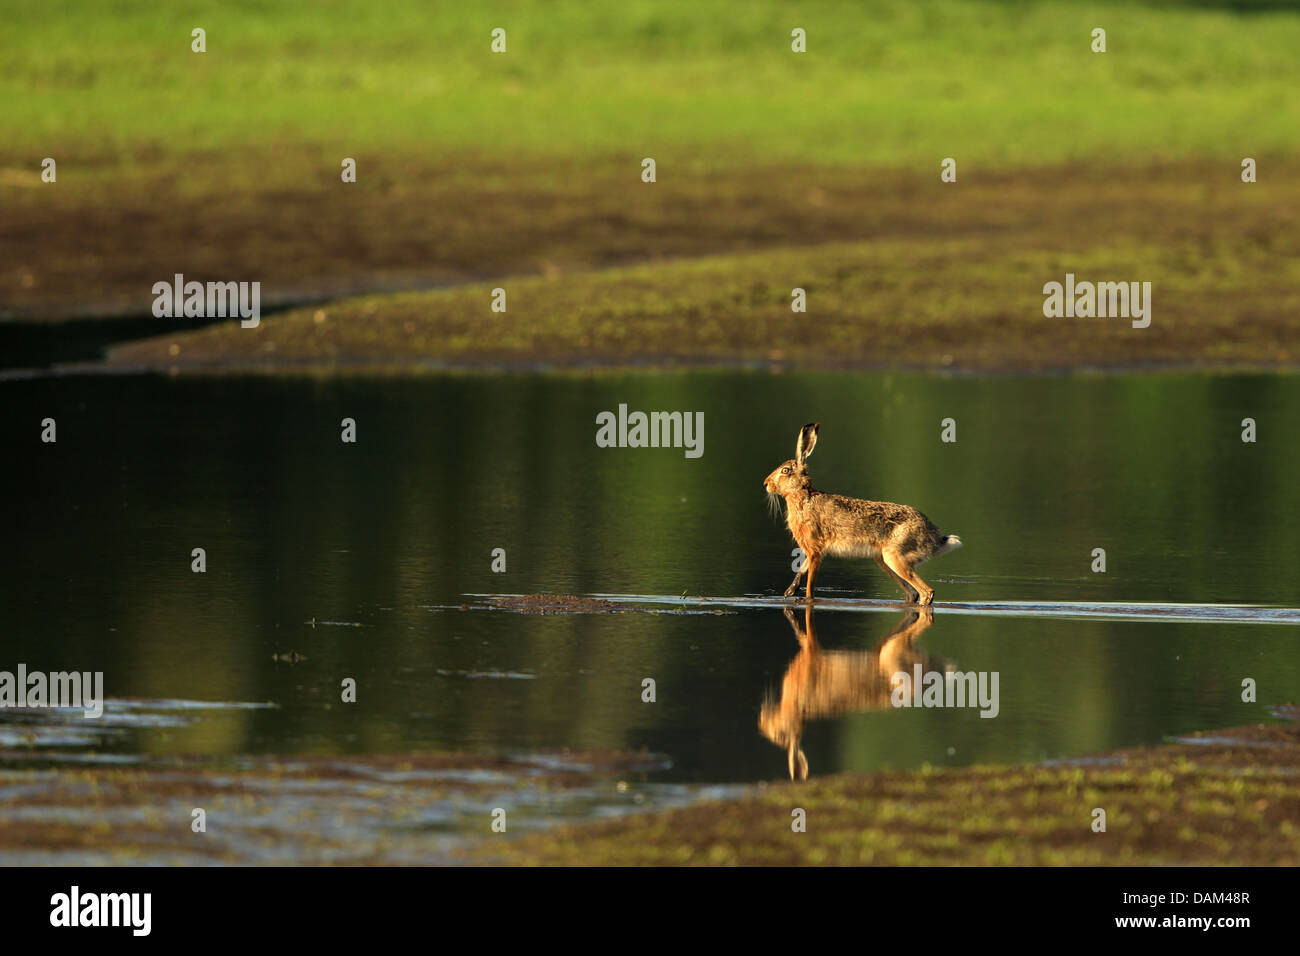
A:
[(898, 537)]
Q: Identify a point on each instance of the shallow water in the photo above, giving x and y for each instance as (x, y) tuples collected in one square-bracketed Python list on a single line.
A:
[(359, 557)]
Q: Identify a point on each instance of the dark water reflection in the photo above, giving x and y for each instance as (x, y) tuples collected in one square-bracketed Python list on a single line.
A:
[(378, 542)]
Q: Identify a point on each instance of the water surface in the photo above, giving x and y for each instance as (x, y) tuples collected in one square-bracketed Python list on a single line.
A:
[(359, 557)]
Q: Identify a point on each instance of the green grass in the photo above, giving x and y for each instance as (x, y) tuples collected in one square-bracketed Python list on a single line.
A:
[(891, 83)]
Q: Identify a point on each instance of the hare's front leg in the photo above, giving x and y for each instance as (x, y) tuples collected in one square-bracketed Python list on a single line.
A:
[(814, 562)]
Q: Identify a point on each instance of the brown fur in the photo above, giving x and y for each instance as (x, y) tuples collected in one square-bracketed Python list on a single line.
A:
[(897, 537), (821, 683)]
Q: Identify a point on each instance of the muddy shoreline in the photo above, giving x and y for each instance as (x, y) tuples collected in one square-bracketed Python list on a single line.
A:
[(1217, 797)]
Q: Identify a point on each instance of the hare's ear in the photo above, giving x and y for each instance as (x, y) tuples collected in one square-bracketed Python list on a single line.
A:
[(807, 441)]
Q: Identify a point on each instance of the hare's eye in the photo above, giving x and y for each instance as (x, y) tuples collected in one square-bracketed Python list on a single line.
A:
[(785, 471)]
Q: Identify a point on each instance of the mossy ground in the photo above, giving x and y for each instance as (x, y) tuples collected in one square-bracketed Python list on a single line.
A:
[(935, 276), (1188, 803)]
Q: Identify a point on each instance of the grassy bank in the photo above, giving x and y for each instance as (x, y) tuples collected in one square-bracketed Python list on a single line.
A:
[(1224, 798), (945, 277), (473, 165)]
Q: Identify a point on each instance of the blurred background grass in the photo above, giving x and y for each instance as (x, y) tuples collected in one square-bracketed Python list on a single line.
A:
[(883, 83)]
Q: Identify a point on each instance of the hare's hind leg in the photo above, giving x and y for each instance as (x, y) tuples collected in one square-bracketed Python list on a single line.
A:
[(901, 582), (794, 585), (899, 565)]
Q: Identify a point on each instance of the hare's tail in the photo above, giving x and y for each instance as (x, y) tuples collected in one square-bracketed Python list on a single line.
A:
[(950, 543)]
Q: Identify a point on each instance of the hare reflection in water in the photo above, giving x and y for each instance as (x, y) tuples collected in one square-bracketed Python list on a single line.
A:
[(820, 683)]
